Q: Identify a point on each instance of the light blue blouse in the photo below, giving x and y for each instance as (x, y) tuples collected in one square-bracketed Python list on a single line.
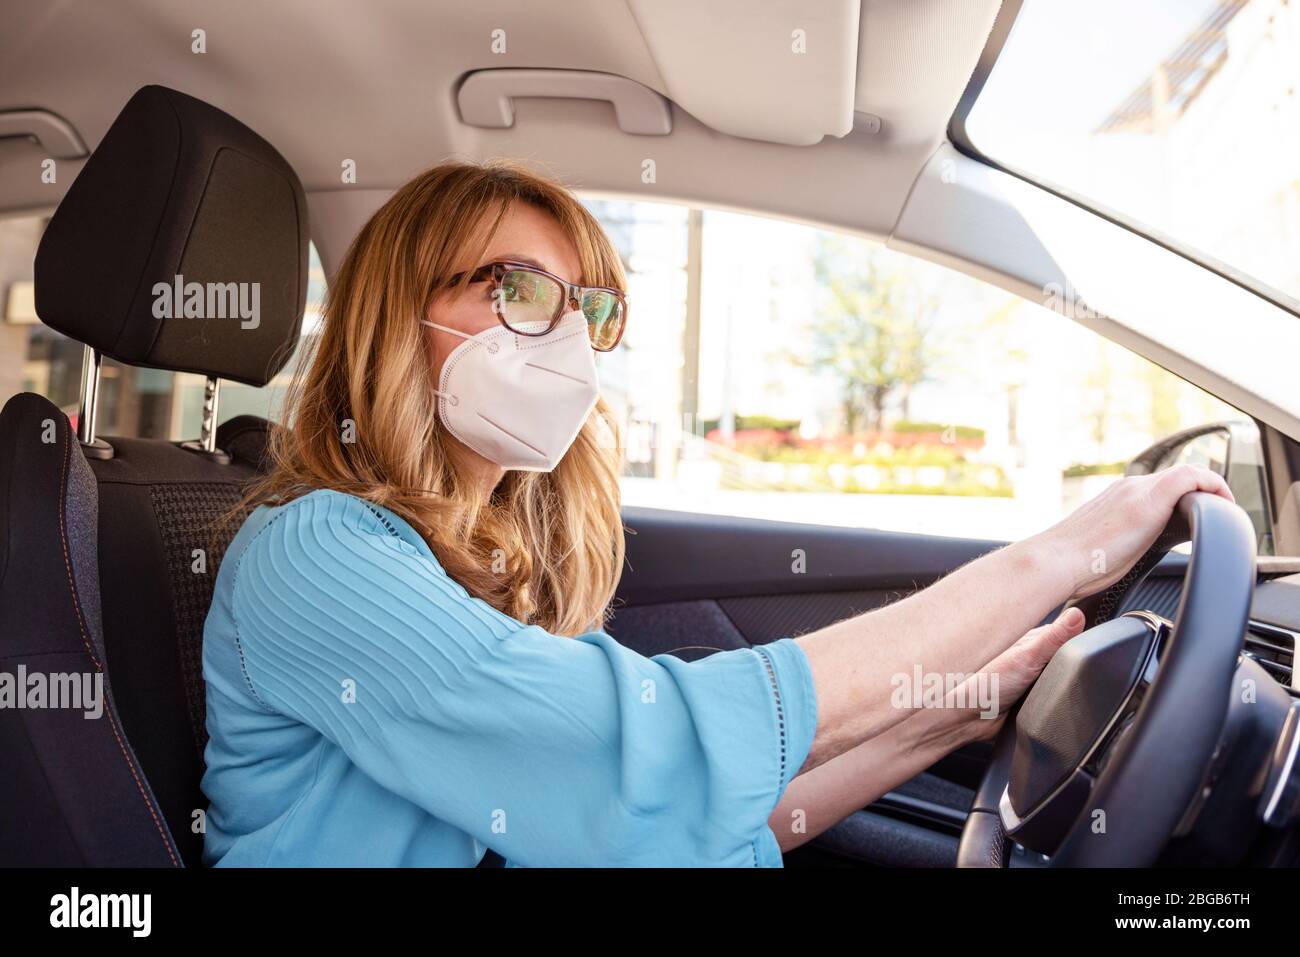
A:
[(364, 710)]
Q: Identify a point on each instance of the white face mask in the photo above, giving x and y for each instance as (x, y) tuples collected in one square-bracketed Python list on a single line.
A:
[(519, 401)]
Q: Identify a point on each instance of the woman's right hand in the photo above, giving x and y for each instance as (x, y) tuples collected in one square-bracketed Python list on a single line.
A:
[(1102, 539), (972, 616)]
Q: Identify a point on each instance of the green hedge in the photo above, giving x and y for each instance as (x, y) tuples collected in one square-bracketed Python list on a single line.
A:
[(960, 431), (746, 423), (917, 455), (1096, 468)]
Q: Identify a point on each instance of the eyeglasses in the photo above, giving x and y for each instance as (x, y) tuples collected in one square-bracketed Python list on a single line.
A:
[(523, 295)]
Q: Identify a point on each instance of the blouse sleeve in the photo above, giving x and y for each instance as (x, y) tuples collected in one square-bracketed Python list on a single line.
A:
[(550, 750)]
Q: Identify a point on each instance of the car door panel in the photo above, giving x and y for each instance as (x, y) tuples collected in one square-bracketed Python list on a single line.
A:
[(695, 584)]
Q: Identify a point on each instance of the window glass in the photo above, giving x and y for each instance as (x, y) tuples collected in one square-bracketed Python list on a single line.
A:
[(838, 382), (1209, 450), (1184, 117), (776, 371)]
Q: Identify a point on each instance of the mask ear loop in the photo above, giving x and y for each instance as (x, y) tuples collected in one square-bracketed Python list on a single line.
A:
[(492, 347)]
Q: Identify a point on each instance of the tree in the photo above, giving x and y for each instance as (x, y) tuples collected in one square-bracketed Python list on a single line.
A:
[(1163, 388), (874, 331), (1100, 381)]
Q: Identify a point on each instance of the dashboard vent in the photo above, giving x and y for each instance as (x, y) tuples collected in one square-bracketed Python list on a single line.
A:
[(1270, 645), (1273, 648)]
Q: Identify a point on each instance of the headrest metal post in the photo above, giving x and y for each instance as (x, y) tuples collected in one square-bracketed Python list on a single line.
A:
[(88, 416), (208, 430), (207, 441), (90, 362)]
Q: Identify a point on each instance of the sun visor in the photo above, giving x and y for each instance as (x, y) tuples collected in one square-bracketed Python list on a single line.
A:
[(782, 71)]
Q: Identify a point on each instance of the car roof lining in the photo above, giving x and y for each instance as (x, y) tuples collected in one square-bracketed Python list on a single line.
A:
[(303, 74)]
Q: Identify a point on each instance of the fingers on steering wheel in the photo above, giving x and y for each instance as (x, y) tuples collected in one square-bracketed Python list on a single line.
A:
[(1025, 659), (1178, 481), (1047, 639)]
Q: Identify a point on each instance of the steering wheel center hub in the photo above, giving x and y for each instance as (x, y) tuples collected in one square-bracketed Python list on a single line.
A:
[(1079, 703)]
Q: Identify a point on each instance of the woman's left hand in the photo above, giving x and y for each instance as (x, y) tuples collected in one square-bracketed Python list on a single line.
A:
[(1008, 676), (826, 794)]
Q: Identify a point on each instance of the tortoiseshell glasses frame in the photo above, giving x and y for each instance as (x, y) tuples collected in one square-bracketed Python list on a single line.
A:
[(523, 293)]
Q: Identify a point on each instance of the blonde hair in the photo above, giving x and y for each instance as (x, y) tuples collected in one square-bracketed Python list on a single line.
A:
[(544, 548)]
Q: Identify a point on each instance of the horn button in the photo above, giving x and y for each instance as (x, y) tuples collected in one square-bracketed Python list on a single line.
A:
[(1067, 724)]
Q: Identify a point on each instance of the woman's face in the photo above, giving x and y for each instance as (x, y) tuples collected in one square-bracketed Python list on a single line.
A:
[(525, 234)]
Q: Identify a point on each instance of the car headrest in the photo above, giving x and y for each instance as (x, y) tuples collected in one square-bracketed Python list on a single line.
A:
[(181, 245)]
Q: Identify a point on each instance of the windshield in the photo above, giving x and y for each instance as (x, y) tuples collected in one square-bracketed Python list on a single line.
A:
[(1183, 117)]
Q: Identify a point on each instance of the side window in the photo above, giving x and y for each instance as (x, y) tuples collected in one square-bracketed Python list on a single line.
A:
[(144, 403), (778, 370)]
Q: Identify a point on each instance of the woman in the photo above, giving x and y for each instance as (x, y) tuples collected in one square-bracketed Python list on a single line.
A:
[(404, 658)]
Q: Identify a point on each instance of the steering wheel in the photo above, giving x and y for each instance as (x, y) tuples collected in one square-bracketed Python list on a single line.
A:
[(1115, 739)]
